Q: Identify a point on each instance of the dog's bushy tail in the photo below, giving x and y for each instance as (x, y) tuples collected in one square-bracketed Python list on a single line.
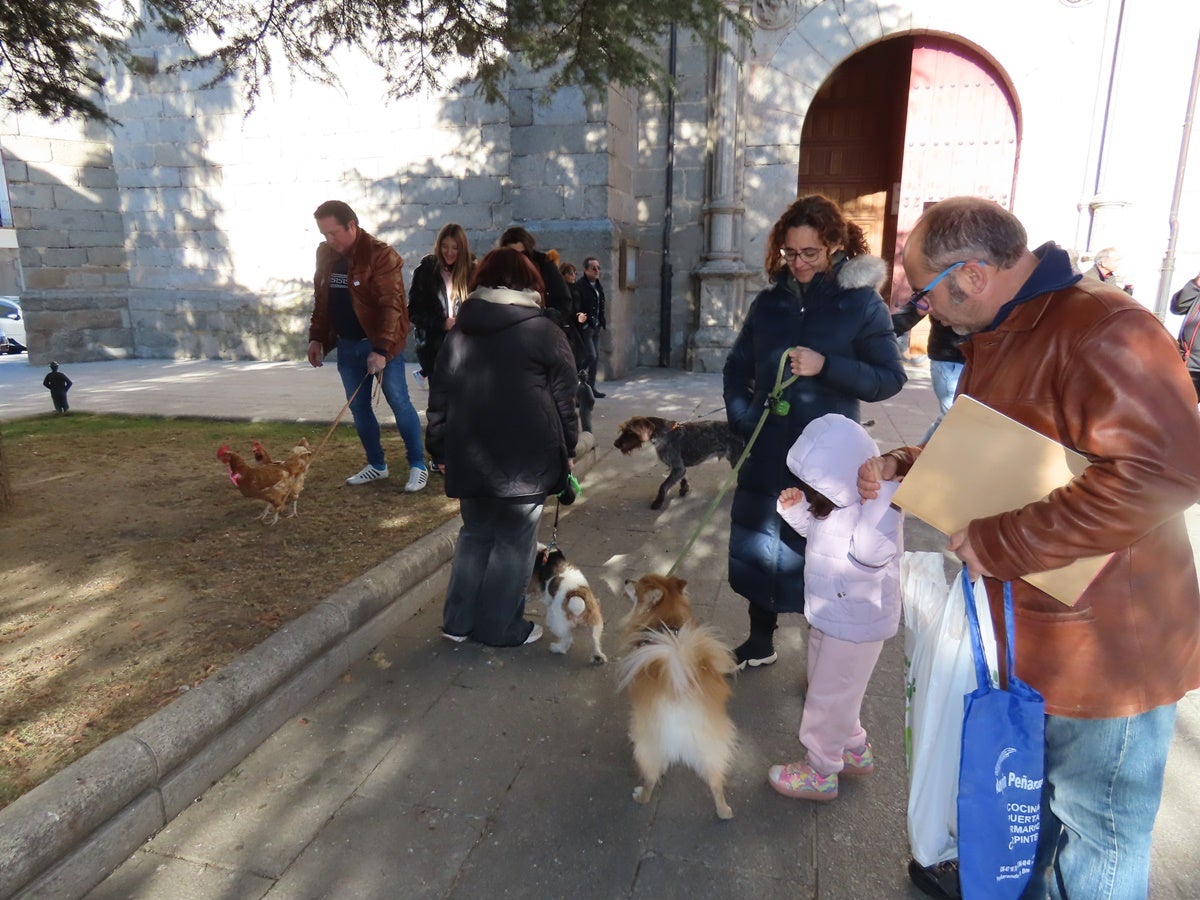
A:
[(682, 656)]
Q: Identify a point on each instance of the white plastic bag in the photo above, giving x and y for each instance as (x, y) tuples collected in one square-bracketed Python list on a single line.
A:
[(938, 672)]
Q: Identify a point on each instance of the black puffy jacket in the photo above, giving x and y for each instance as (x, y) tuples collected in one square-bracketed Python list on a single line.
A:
[(841, 316), (502, 401)]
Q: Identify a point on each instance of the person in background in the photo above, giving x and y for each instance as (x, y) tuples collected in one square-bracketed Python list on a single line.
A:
[(558, 295), (585, 399), (592, 316), (1184, 303), (1106, 268), (502, 417), (822, 309), (439, 286), (945, 359), (58, 384), (359, 310), (1054, 351)]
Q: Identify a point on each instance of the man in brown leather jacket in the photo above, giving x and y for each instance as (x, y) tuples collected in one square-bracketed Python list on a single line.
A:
[(359, 309), (1082, 363)]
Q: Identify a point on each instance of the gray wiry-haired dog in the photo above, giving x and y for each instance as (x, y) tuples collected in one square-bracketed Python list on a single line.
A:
[(679, 445)]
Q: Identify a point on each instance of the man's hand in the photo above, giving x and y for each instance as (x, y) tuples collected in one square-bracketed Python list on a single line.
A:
[(875, 470), (960, 546), (806, 362), (316, 354), (376, 362)]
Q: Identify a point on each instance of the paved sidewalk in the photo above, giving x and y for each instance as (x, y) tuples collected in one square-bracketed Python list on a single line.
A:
[(457, 771)]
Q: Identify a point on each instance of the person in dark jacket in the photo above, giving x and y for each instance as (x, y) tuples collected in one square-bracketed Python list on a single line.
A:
[(592, 306), (945, 359), (558, 295), (58, 384), (502, 417), (822, 309), (1184, 304), (439, 286)]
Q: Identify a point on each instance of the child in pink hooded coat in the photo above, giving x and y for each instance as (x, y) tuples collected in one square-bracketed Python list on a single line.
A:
[(852, 599)]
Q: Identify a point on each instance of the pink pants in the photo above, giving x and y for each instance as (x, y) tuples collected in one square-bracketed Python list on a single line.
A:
[(838, 674)]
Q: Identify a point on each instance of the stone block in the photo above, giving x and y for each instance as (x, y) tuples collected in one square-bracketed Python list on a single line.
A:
[(97, 239), (140, 177), (46, 823), (537, 140), (45, 279), (27, 149), (64, 258), (69, 197), (15, 170), (478, 190), (431, 190), (77, 154), (97, 177), (564, 107)]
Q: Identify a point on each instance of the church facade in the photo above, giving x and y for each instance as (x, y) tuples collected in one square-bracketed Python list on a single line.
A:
[(187, 230)]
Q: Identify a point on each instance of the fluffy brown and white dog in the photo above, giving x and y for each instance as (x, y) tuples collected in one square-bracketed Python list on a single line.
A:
[(675, 673), (679, 445), (569, 601)]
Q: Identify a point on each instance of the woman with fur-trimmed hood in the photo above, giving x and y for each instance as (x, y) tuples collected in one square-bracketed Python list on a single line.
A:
[(824, 309)]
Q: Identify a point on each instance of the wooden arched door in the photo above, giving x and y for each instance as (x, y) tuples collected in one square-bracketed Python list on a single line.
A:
[(902, 124)]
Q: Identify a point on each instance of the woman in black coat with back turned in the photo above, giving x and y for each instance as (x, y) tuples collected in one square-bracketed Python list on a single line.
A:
[(502, 419)]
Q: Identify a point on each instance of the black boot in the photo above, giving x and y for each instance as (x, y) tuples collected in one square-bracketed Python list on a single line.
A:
[(759, 648)]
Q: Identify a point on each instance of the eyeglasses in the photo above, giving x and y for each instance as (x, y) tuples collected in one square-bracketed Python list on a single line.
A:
[(918, 297), (808, 254)]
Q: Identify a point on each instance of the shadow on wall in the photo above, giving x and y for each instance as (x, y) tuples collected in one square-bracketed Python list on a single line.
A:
[(122, 251)]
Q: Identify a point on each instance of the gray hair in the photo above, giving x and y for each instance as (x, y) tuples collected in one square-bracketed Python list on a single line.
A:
[(967, 228), (1106, 256)]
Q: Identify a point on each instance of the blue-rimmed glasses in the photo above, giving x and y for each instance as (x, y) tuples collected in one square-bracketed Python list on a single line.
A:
[(918, 297), (808, 254)]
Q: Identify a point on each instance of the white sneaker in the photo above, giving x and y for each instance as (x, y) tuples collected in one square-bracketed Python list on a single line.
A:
[(534, 635), (368, 473), (421, 380), (417, 479)]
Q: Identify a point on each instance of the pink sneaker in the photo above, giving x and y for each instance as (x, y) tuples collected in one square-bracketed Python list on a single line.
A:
[(859, 762), (802, 782)]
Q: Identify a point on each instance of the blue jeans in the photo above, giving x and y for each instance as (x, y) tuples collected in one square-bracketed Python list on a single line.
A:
[(1104, 781), (352, 366), (493, 561), (944, 376)]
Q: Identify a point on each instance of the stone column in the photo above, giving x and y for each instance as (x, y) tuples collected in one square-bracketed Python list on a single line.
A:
[(722, 275)]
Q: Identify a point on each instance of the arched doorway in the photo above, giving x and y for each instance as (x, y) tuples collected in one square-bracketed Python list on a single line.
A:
[(904, 123)]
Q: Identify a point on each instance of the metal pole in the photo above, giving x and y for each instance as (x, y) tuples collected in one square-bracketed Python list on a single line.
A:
[(664, 300), (1168, 266)]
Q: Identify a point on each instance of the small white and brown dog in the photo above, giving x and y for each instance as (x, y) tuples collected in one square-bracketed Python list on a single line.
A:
[(675, 672), (569, 601)]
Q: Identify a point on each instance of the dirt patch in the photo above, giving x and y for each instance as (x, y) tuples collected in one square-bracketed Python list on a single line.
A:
[(131, 568)]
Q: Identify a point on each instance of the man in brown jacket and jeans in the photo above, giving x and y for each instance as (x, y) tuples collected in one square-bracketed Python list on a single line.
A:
[(359, 309), (1082, 363)]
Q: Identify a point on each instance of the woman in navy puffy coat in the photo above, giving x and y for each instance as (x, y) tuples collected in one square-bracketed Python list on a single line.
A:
[(823, 308)]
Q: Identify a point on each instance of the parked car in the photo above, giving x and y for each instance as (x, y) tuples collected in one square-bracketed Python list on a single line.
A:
[(4, 345), (12, 323)]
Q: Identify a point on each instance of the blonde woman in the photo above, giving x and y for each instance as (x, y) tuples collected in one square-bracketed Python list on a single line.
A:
[(439, 286)]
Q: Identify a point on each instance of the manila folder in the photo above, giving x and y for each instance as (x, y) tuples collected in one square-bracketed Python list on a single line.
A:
[(980, 463)]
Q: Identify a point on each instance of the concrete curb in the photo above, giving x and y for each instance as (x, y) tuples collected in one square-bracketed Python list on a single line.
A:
[(66, 835)]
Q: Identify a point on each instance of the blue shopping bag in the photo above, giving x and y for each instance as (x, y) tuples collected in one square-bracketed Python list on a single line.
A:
[(1000, 778)]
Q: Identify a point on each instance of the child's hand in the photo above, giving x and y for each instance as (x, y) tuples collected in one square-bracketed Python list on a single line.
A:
[(789, 497)]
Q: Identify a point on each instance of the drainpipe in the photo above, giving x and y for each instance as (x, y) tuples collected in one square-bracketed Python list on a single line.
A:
[(664, 300), (1168, 266)]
